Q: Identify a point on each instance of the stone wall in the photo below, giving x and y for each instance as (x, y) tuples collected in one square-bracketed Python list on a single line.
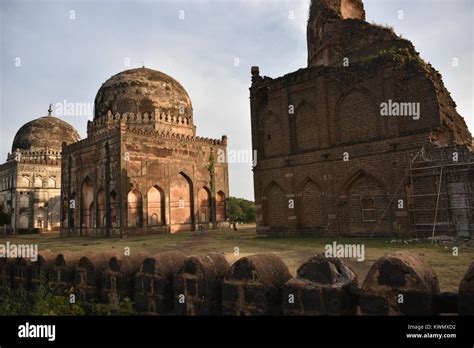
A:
[(30, 189), (129, 181), (171, 283)]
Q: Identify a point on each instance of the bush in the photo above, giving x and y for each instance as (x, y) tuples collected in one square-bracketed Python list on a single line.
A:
[(5, 218), (241, 210), (44, 303)]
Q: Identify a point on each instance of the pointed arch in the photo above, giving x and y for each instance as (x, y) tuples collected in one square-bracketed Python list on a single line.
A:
[(38, 181), (275, 206), (181, 199), (51, 182), (41, 220), (357, 118), (306, 127), (271, 135), (23, 182), (86, 201), (363, 199), (310, 205), (220, 206), (349, 180), (156, 206), (134, 208), (204, 205), (24, 201)]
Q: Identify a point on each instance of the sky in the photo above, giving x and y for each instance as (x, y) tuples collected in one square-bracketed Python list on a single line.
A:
[(57, 51)]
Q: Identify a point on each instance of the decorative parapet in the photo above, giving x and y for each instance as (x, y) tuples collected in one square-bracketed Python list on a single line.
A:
[(111, 120), (98, 135), (164, 134), (149, 131), (46, 156)]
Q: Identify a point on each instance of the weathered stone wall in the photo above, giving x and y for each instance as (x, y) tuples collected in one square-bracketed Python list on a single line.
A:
[(31, 189), (126, 182), (253, 286), (169, 283), (154, 288), (90, 187)]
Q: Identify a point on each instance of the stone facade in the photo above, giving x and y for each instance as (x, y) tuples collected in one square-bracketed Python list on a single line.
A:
[(329, 160), (30, 180), (142, 169)]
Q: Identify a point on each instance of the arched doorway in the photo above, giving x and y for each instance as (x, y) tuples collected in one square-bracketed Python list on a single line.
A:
[(276, 207), (135, 209), (87, 200), (310, 207), (40, 218), (181, 200), (156, 206), (205, 205)]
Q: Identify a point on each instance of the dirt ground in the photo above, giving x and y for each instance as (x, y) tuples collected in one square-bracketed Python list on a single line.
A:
[(293, 250)]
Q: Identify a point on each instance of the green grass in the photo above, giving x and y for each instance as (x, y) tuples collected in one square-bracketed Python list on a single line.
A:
[(293, 250)]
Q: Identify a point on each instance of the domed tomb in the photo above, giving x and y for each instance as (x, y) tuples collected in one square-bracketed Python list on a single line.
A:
[(144, 98), (44, 132), (142, 90)]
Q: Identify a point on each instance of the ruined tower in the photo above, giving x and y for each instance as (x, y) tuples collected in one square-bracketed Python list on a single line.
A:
[(337, 141)]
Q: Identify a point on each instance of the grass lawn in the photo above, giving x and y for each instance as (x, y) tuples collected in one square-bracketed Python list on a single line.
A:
[(293, 250)]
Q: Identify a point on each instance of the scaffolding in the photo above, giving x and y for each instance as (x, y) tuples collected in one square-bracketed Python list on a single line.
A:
[(441, 192)]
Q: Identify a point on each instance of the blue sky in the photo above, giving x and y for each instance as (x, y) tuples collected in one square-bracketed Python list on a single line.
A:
[(68, 55)]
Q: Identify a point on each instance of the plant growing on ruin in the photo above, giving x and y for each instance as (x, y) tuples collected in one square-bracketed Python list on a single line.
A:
[(211, 169)]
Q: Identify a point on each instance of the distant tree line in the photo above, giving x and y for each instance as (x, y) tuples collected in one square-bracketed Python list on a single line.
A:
[(241, 210)]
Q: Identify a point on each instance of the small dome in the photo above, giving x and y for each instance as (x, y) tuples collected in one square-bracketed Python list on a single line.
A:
[(142, 90), (44, 132)]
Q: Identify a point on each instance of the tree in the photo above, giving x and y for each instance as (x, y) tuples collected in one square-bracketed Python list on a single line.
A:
[(5, 218), (241, 210)]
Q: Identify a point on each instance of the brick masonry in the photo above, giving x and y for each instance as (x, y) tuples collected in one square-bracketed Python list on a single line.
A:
[(321, 138)]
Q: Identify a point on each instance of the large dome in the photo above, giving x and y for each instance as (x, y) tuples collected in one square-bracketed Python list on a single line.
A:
[(44, 132), (142, 90)]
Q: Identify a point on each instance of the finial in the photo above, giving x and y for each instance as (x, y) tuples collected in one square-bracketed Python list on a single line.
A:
[(50, 110)]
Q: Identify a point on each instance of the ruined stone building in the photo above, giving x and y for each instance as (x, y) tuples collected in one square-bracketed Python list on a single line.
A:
[(142, 169), (30, 179), (364, 140)]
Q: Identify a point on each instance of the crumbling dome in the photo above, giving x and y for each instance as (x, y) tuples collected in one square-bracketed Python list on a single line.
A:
[(323, 286), (142, 90), (44, 132), (399, 284)]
